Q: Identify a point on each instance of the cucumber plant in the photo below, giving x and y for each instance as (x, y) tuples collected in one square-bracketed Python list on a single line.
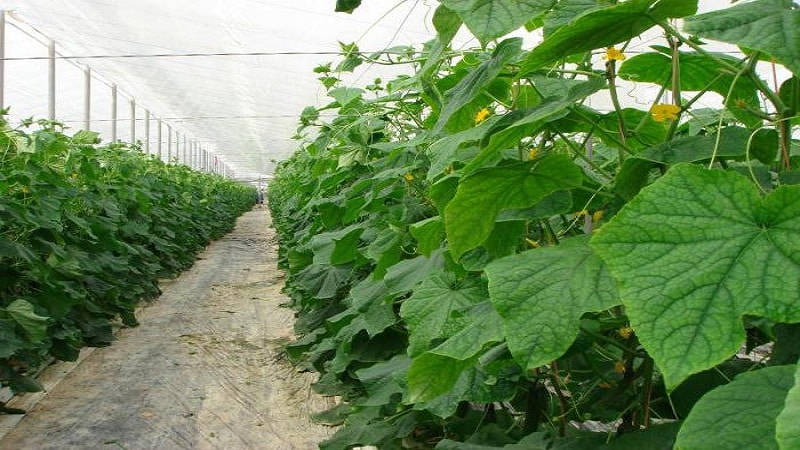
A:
[(86, 231), (479, 258)]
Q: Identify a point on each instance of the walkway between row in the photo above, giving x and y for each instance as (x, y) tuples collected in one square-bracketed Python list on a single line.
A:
[(204, 370)]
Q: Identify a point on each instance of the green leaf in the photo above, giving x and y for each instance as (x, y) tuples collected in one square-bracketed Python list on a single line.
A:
[(604, 27), (482, 326), (788, 423), (769, 26), (336, 247), (477, 80), (383, 380), (541, 295), (433, 305), (696, 251), (559, 202), (733, 143), (565, 11), (345, 96), (85, 137), (10, 341), (739, 415), (450, 149), (347, 6), (470, 216), (697, 72), (496, 381), (432, 375), (490, 19), (429, 234), (447, 23), (535, 441), (405, 275), (385, 250), (323, 281), (656, 437), (34, 325)]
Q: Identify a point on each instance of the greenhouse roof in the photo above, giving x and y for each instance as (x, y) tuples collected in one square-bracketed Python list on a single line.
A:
[(233, 75)]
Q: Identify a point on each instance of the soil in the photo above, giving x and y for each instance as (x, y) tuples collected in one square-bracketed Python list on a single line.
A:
[(204, 370)]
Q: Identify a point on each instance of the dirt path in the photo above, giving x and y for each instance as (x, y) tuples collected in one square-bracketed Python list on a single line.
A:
[(202, 371)]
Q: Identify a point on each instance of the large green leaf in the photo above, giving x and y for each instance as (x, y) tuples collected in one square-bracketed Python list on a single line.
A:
[(384, 380), (34, 325), (470, 216), (565, 11), (432, 375), (10, 340), (740, 414), (447, 23), (769, 26), (429, 234), (406, 274), (490, 19), (696, 251), (733, 143), (481, 326), (477, 80), (788, 424), (697, 72), (496, 381), (433, 306), (541, 295), (604, 27), (323, 281), (336, 247)]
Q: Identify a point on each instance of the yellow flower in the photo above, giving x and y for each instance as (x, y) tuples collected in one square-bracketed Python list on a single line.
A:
[(581, 213), (597, 215), (25, 190), (408, 177), (481, 115), (533, 153), (612, 54), (625, 332), (662, 112), (619, 367)]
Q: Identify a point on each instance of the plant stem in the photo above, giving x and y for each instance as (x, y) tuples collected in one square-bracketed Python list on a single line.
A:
[(611, 74), (562, 403), (676, 84), (647, 373)]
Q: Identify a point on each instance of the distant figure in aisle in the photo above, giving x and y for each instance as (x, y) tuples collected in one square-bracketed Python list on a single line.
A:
[(260, 195)]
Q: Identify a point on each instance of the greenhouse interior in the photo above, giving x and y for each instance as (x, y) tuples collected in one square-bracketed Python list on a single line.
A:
[(444, 224)]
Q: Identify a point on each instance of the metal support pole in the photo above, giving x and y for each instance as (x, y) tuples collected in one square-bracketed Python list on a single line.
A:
[(158, 136), (51, 80), (2, 57), (113, 113), (147, 130), (169, 143), (185, 158), (177, 147), (133, 120), (87, 98)]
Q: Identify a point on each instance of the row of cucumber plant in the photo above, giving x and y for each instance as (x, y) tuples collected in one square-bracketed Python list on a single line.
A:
[(86, 231), (480, 259)]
